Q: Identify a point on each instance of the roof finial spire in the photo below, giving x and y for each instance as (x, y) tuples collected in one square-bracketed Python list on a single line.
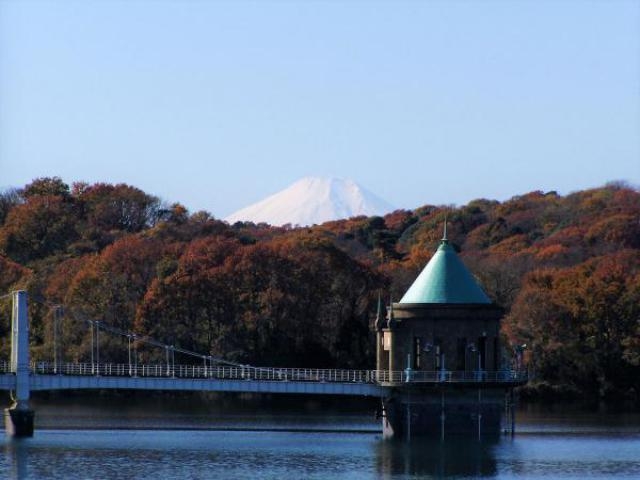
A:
[(444, 237)]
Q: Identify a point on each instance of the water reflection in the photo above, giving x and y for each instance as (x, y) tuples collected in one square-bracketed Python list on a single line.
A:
[(436, 459), (135, 438), (16, 453), (287, 455)]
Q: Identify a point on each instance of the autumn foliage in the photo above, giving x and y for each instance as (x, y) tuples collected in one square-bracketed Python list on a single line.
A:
[(566, 269)]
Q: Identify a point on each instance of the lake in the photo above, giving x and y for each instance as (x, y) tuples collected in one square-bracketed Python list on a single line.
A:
[(236, 437)]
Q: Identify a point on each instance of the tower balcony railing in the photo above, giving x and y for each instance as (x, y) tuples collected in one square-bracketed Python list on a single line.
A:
[(505, 376)]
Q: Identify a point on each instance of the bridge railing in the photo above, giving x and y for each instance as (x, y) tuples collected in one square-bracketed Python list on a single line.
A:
[(199, 371), (277, 374)]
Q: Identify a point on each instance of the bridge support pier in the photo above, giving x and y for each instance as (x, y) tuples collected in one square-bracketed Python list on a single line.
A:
[(18, 419), (440, 412), (18, 422)]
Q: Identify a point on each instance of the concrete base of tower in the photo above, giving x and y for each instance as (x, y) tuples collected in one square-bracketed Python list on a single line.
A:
[(18, 420), (441, 413)]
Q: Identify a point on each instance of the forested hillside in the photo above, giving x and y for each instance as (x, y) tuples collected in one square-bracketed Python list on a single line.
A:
[(565, 268)]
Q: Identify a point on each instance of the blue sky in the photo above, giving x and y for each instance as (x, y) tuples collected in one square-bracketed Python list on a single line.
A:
[(218, 104)]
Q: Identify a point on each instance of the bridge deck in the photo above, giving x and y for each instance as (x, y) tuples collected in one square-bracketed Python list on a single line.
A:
[(47, 376), (59, 382)]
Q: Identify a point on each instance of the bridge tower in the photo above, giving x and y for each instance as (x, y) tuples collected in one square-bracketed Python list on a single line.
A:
[(445, 335), (18, 418)]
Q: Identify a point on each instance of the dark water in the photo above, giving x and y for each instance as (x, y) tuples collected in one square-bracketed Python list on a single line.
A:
[(283, 438)]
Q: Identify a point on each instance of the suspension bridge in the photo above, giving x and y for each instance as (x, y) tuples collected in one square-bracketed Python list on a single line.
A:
[(204, 372)]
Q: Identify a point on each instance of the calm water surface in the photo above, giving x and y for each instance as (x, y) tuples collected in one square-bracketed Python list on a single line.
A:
[(218, 438)]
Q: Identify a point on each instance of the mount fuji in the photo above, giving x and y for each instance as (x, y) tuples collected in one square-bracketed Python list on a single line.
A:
[(313, 200)]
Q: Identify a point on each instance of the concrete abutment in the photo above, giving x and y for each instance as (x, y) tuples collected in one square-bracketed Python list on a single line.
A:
[(439, 413)]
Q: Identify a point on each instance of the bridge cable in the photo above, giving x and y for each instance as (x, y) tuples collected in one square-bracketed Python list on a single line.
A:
[(144, 339)]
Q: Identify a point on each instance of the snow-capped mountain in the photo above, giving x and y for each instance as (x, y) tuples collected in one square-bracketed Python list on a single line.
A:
[(313, 200)]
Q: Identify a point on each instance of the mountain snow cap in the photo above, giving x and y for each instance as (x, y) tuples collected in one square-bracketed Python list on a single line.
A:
[(313, 200)]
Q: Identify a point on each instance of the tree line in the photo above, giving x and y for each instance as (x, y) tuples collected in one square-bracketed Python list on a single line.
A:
[(566, 269)]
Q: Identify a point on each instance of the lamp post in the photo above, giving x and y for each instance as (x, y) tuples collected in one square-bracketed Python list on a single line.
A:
[(407, 370), (135, 355), (129, 352), (98, 347), (173, 361), (92, 347), (57, 314)]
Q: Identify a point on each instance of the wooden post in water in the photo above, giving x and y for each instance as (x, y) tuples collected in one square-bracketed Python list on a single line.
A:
[(513, 411), (479, 414), (409, 415), (442, 416)]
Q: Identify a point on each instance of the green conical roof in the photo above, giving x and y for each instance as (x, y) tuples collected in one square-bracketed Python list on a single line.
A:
[(445, 279)]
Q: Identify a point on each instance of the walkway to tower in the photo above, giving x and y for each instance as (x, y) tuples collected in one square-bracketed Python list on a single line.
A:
[(203, 372)]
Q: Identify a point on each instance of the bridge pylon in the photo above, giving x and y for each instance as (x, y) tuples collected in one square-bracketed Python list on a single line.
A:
[(18, 418)]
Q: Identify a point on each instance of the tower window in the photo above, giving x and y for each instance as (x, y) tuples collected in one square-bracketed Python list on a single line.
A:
[(438, 353), (386, 340), (482, 352)]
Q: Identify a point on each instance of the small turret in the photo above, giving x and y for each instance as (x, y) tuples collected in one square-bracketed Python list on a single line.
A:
[(391, 320), (379, 323)]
